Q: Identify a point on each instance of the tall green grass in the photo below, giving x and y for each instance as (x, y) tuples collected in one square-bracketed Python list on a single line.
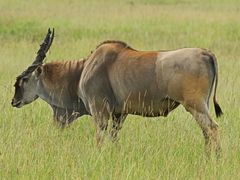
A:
[(32, 147)]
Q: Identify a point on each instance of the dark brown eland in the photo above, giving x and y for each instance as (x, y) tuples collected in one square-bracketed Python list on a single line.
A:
[(55, 82), (118, 80)]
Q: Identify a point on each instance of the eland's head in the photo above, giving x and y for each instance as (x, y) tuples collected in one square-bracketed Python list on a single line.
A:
[(26, 82)]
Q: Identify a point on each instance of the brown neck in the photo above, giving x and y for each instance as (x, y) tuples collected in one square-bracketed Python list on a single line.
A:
[(59, 73), (60, 82)]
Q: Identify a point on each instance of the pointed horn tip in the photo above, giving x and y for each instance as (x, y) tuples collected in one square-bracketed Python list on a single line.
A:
[(51, 32)]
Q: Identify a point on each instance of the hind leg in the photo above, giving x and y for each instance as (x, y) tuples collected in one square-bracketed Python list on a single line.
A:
[(208, 125)]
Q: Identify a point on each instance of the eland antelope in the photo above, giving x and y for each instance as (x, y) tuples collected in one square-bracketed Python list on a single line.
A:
[(116, 80)]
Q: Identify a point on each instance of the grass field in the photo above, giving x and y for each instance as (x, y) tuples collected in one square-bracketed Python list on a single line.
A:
[(32, 147)]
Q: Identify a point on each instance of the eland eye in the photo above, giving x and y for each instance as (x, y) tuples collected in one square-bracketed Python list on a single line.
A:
[(25, 79)]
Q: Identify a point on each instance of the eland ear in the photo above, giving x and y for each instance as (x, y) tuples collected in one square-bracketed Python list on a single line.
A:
[(38, 71)]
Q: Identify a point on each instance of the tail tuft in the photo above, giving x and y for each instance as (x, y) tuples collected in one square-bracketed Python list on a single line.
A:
[(218, 109)]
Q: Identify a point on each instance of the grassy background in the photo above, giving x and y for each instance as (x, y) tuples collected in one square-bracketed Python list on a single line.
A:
[(31, 147)]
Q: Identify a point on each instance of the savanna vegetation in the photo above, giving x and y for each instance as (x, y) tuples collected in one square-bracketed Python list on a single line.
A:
[(32, 147)]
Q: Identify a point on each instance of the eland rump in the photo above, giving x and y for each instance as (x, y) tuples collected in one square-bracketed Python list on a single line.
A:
[(118, 80)]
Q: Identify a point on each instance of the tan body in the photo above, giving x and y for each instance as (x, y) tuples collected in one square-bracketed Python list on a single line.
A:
[(118, 80)]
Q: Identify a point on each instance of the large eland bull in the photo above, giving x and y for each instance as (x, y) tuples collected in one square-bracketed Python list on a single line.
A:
[(117, 80)]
